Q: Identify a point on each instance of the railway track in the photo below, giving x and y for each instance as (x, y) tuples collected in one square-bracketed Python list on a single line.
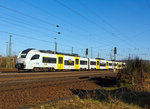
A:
[(30, 76), (18, 91), (19, 85)]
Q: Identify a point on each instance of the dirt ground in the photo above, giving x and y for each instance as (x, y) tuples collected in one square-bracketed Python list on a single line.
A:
[(30, 93)]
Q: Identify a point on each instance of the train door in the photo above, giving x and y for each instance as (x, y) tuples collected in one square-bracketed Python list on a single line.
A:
[(76, 62), (60, 62), (97, 64), (107, 64), (121, 65), (117, 65)]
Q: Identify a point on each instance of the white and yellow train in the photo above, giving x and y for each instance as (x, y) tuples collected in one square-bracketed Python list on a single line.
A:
[(35, 60)]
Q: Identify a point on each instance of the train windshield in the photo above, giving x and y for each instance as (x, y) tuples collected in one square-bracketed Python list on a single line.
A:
[(24, 53)]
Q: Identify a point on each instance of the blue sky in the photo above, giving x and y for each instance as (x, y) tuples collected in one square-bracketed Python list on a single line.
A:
[(98, 24)]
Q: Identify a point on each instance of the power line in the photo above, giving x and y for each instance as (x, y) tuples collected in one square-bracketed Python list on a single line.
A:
[(50, 14), (23, 14), (87, 19), (20, 26), (47, 12), (29, 16)]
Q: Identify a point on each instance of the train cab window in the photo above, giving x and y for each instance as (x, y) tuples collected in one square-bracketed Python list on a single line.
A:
[(23, 56), (60, 60), (77, 61), (35, 57)]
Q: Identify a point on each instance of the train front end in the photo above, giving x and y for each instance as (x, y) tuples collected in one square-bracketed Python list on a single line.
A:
[(22, 59)]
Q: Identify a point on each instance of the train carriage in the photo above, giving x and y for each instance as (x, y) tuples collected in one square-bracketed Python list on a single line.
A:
[(31, 59), (92, 64), (103, 64), (83, 63)]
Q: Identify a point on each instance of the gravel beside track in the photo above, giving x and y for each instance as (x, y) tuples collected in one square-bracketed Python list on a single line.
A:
[(27, 89)]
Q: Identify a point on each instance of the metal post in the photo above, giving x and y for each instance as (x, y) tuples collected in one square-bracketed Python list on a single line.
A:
[(91, 52), (72, 50), (6, 49), (98, 54), (10, 45), (115, 52), (6, 54), (55, 46)]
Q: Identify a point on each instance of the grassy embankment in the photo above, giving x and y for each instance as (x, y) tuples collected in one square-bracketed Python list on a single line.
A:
[(131, 90)]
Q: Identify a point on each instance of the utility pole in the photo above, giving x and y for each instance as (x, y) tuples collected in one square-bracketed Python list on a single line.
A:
[(10, 64), (6, 54), (55, 46), (72, 50), (115, 52), (55, 40), (86, 52), (98, 55), (6, 49), (10, 45), (91, 52)]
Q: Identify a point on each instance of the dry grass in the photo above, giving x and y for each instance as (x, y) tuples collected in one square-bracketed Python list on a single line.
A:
[(78, 103), (7, 62), (136, 97)]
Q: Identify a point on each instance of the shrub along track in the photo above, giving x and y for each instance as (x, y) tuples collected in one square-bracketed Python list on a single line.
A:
[(34, 89)]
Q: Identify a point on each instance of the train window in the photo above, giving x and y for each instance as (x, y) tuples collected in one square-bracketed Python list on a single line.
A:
[(77, 61), (49, 60), (60, 60), (97, 62), (110, 64), (102, 64), (69, 62), (83, 62), (115, 64), (93, 63), (35, 57)]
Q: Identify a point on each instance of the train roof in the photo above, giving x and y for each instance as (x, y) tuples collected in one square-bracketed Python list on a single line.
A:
[(52, 52)]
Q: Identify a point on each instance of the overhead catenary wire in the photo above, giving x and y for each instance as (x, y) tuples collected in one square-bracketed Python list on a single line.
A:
[(50, 14), (89, 20), (16, 11), (31, 38), (43, 28), (47, 12)]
